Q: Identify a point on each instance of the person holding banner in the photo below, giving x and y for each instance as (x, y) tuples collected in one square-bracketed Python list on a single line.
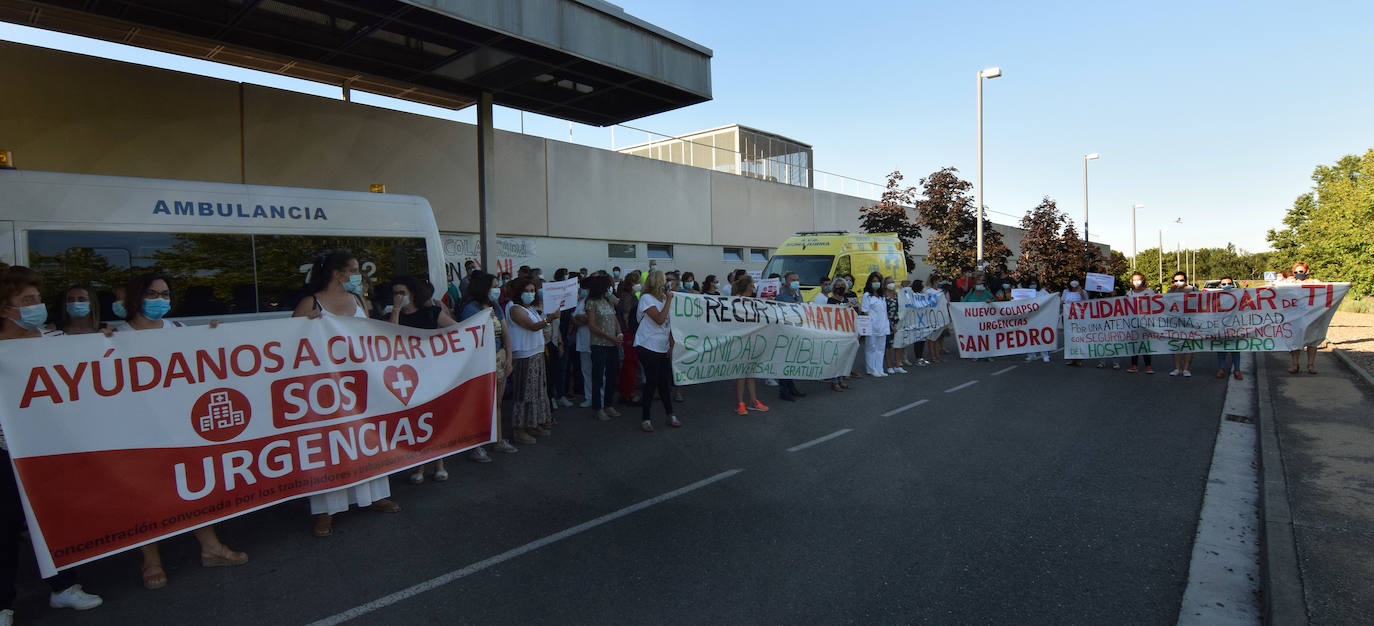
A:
[(483, 293), (1302, 275), (874, 306), (1139, 290), (837, 298), (744, 385), (894, 315), (710, 285), (1074, 293), (1234, 357), (22, 315), (790, 291), (529, 378), (77, 315), (147, 298), (335, 287), (405, 291), (1183, 361), (654, 342)]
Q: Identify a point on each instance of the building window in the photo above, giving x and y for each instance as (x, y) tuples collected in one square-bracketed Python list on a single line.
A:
[(758, 255), (621, 251), (734, 254), (660, 251)]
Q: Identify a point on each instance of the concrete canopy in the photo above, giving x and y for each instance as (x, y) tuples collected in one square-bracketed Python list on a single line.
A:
[(581, 60)]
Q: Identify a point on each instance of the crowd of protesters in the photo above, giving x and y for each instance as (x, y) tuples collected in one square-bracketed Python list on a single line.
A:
[(613, 349)]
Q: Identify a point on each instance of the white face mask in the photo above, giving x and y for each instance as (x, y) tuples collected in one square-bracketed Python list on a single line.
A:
[(1137, 283)]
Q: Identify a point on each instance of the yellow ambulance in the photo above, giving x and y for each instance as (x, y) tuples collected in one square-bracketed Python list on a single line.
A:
[(826, 254)]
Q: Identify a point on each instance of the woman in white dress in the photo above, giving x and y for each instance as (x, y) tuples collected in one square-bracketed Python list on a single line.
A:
[(336, 290)]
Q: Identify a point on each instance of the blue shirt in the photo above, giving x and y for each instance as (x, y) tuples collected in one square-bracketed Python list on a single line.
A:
[(787, 295)]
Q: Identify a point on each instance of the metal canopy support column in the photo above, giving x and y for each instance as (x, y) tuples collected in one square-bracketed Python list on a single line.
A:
[(486, 179)]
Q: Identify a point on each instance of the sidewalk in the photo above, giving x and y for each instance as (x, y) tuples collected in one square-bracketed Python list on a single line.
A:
[(1317, 453)]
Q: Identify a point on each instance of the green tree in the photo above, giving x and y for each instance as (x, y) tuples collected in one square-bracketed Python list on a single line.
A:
[(946, 214), (1042, 253), (1331, 228), (889, 216)]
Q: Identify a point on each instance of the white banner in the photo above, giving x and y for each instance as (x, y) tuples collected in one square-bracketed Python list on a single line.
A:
[(727, 337), (923, 316), (560, 296), (120, 441), (987, 329), (1261, 319)]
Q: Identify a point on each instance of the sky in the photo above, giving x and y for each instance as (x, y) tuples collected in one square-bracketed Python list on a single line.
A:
[(1212, 113)]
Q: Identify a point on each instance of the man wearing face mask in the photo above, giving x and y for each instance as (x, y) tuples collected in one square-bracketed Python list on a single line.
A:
[(789, 292), (1302, 275), (823, 294), (1183, 361), (1074, 293), (1139, 290)]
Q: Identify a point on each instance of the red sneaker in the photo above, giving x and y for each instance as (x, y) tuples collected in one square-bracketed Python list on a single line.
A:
[(1149, 370), (1131, 370), (740, 410), (1236, 373), (758, 406), (1221, 373)]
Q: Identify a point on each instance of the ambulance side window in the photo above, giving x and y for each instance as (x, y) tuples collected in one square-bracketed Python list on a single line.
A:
[(841, 266)]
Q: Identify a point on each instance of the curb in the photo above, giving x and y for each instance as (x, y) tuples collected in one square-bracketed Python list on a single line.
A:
[(1354, 367), (1280, 579)]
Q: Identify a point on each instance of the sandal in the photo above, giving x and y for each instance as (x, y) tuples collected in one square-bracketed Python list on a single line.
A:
[(385, 506), (1293, 370), (324, 525), (154, 577), (836, 387), (226, 558), (1311, 370)]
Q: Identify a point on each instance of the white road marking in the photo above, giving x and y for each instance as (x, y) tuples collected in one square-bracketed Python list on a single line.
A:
[(967, 384), (439, 581), (903, 408), (842, 431), (1005, 370)]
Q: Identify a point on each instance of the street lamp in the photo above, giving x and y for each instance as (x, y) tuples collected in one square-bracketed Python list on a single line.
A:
[(991, 72), (1133, 250), (1086, 256), (1161, 258)]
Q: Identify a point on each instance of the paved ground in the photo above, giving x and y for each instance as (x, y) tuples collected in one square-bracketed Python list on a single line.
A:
[(1354, 333), (1325, 426), (1040, 494)]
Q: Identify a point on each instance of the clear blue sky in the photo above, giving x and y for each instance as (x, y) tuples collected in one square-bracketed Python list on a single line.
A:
[(1215, 112)]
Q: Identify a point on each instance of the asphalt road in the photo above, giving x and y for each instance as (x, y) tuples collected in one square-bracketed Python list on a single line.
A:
[(1041, 494)]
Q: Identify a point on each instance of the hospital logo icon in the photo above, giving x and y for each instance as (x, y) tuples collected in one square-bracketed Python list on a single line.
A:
[(220, 414)]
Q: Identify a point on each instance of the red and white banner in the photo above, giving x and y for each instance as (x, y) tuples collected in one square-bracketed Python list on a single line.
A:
[(987, 329), (1262, 319), (121, 441)]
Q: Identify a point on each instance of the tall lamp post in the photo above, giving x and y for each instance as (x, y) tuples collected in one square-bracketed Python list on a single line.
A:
[(991, 72), (1161, 258), (1086, 255), (1133, 240)]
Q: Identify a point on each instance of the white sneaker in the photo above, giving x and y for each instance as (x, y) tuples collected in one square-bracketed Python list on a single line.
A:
[(1174, 373), (1030, 357), (879, 375), (586, 404), (504, 446), (1045, 358), (899, 370), (553, 404), (71, 598), (890, 370), (771, 382), (565, 402), (7, 617), (601, 415), (1187, 374)]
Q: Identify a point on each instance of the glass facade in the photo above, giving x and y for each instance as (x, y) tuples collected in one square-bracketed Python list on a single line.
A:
[(736, 150)]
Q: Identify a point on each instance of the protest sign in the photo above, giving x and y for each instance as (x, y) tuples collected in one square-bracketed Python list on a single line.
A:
[(869, 325), (768, 288), (986, 329), (1271, 276), (923, 316), (757, 275), (121, 441), (1023, 294), (1102, 283), (1262, 319), (726, 337), (560, 296)]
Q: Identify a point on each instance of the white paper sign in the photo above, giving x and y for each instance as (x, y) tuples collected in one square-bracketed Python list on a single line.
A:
[(768, 288), (1104, 283), (868, 325), (1023, 294), (560, 296), (757, 275)]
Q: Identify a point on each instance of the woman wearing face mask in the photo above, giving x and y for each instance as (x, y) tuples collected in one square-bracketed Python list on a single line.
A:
[(746, 396), (147, 299), (406, 311), (22, 315), (874, 306), (529, 381), (1074, 293), (1183, 361), (654, 342), (836, 297), (1139, 290), (335, 290), (605, 339), (689, 283), (78, 316), (625, 312), (1234, 357), (1003, 293), (483, 293), (1302, 275), (710, 285), (893, 309)]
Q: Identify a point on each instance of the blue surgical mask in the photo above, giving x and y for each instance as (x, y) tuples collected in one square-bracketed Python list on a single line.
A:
[(689, 284), (1229, 286), (32, 316), (639, 288), (874, 284), (405, 301), (825, 288), (794, 285), (117, 307), (527, 298), (78, 310), (494, 294), (354, 284), (155, 308)]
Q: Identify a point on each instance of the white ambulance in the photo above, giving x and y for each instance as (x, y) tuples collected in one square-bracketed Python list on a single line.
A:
[(233, 252)]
